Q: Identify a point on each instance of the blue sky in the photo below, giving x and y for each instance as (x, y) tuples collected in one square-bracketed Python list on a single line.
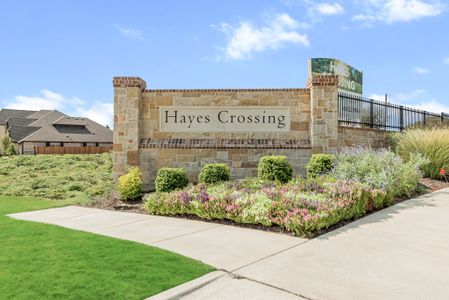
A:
[(63, 54)]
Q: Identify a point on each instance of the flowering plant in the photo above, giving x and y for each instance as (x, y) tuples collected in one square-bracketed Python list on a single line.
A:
[(302, 206)]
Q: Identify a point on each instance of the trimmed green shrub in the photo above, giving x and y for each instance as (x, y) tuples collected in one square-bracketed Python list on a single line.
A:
[(130, 184), (214, 173), (319, 164), (170, 179), (274, 168), (431, 143)]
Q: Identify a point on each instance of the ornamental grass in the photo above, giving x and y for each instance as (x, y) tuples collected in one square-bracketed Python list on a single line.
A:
[(432, 143)]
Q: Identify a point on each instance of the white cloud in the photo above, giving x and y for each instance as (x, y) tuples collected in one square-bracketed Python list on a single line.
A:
[(245, 39), (48, 100), (420, 70), (377, 97), (100, 112), (329, 9), (401, 97), (414, 99), (446, 61), (131, 33), (430, 106), (391, 11), (316, 10)]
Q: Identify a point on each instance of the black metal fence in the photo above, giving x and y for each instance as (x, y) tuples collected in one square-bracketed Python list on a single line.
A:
[(357, 111)]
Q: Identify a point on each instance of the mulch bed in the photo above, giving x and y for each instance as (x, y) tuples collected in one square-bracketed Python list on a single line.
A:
[(113, 202), (434, 185)]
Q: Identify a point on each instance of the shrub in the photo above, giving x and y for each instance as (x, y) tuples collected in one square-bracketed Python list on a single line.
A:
[(61, 174), (274, 168), (6, 142), (214, 173), (130, 184), (11, 150), (379, 169), (431, 143), (76, 187), (170, 179), (319, 164)]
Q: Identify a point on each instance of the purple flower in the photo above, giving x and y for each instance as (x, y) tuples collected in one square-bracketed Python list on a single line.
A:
[(185, 197), (204, 197)]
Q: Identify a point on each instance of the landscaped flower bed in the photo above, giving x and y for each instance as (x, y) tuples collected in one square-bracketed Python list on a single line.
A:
[(301, 206), (360, 181)]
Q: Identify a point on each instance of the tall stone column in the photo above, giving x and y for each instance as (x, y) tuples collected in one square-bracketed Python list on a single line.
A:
[(127, 105), (324, 113)]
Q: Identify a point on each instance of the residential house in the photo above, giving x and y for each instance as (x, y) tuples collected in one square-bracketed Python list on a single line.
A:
[(28, 129)]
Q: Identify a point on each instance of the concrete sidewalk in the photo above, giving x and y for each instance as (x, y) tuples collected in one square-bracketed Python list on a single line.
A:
[(401, 252), (222, 246)]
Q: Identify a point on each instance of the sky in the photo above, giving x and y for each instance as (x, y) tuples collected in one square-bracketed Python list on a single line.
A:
[(63, 54)]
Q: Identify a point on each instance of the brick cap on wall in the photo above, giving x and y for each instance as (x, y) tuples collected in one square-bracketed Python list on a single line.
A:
[(124, 81), (227, 90), (322, 80)]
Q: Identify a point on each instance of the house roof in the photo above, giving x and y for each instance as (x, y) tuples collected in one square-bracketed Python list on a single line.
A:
[(6, 114), (17, 133), (66, 120), (53, 126), (19, 121), (18, 128), (39, 114)]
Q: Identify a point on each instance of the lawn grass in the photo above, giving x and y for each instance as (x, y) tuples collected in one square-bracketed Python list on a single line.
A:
[(40, 261), (56, 176)]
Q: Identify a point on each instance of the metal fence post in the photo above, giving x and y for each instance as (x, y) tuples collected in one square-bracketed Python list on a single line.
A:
[(371, 113), (424, 115), (401, 118)]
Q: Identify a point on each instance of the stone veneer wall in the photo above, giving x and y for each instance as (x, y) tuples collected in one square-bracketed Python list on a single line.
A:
[(241, 151), (138, 141), (353, 136)]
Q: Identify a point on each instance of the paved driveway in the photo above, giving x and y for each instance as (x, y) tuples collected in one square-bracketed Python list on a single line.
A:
[(401, 252)]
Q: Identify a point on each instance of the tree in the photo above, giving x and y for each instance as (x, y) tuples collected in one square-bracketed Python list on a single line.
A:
[(6, 142), (11, 150)]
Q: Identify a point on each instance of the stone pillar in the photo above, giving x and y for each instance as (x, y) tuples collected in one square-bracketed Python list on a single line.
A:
[(127, 104), (324, 113)]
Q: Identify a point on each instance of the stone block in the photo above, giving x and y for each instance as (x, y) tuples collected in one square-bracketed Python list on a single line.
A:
[(223, 155), (164, 100), (132, 158)]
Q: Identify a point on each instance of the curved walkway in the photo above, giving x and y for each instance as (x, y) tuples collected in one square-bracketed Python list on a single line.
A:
[(401, 252)]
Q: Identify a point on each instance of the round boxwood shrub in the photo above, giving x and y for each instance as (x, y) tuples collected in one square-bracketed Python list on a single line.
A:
[(170, 179), (214, 173), (274, 168), (130, 184), (319, 164)]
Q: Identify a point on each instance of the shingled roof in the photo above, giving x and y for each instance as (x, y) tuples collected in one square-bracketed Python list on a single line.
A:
[(18, 133), (6, 114), (52, 126)]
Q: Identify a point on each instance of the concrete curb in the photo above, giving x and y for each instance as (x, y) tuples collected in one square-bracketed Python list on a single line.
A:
[(186, 288)]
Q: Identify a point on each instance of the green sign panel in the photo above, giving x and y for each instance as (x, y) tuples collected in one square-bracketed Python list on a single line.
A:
[(350, 79)]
